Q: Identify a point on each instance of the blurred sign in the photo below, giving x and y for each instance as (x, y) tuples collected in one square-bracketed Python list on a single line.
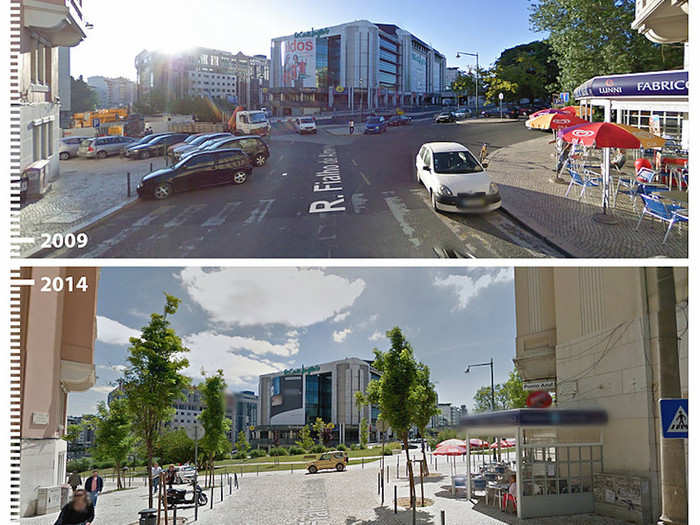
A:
[(339, 89), (548, 385), (674, 418), (194, 431), (500, 96), (539, 399)]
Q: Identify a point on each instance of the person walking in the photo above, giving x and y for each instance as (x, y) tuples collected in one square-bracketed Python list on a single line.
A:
[(93, 485), (78, 511), (170, 476), (235, 480), (352, 126), (155, 475), (74, 480)]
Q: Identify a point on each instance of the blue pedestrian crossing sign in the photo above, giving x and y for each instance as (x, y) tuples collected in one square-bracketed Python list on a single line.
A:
[(674, 418)]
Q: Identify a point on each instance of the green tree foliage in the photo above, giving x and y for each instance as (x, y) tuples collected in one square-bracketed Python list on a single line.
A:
[(114, 438), (72, 433), (507, 395), (596, 38), (425, 399), (213, 418), (82, 97), (364, 433), (465, 84), (152, 380), (448, 433), (322, 430), (305, 440), (174, 447), (242, 442)]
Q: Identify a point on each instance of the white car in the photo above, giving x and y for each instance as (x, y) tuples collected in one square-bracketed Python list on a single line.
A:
[(305, 125), (456, 181)]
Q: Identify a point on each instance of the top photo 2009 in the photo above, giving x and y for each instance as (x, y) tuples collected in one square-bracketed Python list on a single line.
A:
[(170, 129)]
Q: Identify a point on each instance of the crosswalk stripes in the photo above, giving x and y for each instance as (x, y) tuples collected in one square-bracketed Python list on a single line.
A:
[(183, 217), (220, 218)]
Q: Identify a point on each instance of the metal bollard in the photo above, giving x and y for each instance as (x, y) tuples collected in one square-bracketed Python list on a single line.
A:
[(395, 499), (379, 483), (128, 184), (196, 498), (175, 514), (257, 470), (413, 505), (221, 484), (382, 486), (363, 462), (211, 495), (442, 517), (150, 170)]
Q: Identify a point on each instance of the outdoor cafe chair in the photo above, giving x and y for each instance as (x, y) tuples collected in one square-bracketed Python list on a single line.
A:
[(679, 216), (588, 180), (658, 209)]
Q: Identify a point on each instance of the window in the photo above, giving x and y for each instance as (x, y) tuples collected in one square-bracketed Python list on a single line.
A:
[(42, 139)]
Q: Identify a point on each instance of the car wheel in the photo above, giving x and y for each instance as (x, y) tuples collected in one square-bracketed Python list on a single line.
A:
[(163, 191), (418, 176), (260, 160), (64, 156), (239, 177), (340, 467), (145, 154), (313, 469), (101, 155), (433, 201)]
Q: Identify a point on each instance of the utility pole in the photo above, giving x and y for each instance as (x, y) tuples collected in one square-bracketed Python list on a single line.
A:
[(476, 78)]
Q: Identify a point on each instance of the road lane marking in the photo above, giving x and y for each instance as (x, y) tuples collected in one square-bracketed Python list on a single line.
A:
[(220, 218), (328, 180), (399, 210), (359, 203), (183, 217), (354, 163), (259, 212), (365, 178)]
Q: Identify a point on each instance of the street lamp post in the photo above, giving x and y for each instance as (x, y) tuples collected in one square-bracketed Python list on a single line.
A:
[(476, 82), (493, 392)]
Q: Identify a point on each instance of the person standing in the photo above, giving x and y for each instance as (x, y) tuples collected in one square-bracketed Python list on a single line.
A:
[(352, 126), (78, 511), (93, 485), (170, 476), (74, 480), (155, 475)]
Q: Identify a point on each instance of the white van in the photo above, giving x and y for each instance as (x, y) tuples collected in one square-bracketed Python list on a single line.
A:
[(252, 123), (305, 125)]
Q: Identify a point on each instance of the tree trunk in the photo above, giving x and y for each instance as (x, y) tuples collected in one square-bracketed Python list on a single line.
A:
[(149, 469), (412, 488), (119, 479), (425, 460)]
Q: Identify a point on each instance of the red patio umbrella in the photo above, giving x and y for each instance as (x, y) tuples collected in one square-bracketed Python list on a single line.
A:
[(601, 135), (453, 442), (450, 450), (544, 112), (478, 443), (504, 444)]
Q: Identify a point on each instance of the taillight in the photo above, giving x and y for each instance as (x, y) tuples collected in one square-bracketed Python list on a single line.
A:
[(90, 148)]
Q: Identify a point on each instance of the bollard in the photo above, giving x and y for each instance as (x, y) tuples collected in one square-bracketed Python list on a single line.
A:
[(257, 470), (128, 184), (397, 467), (363, 462), (382, 486), (221, 481), (211, 495), (395, 499), (379, 483), (175, 514), (291, 468), (442, 517), (196, 497), (150, 170), (230, 486), (413, 505)]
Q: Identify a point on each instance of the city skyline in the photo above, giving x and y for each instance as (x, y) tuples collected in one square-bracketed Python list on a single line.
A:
[(177, 32), (307, 317)]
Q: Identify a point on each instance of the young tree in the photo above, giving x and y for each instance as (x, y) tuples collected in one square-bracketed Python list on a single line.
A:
[(114, 438), (394, 389), (213, 418), (506, 395), (364, 433), (174, 447), (152, 381), (242, 442), (319, 427), (425, 400), (305, 440)]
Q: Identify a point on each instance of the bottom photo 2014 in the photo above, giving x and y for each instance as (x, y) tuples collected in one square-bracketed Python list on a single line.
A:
[(351, 395)]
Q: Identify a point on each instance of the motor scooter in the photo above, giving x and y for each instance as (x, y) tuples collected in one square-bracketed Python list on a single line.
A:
[(179, 497)]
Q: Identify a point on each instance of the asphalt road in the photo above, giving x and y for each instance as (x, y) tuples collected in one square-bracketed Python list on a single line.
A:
[(374, 207)]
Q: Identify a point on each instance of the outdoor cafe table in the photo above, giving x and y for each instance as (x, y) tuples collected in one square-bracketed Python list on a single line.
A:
[(681, 197)]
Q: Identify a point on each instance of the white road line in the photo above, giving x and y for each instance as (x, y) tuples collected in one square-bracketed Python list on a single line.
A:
[(188, 212), (220, 218), (258, 214), (359, 203), (399, 210)]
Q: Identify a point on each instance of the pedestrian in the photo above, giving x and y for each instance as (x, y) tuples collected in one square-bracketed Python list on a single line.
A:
[(170, 476), (155, 475), (78, 511), (235, 480), (74, 480), (352, 126), (93, 485)]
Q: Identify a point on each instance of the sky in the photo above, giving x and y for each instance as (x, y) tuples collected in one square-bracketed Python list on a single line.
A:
[(252, 321), (125, 28)]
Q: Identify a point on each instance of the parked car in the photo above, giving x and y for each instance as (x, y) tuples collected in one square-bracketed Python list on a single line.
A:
[(399, 120), (184, 474), (193, 145), (445, 116), (156, 147), (335, 459), (456, 181), (200, 170), (252, 145), (143, 140), (185, 142), (69, 147), (461, 113), (375, 125), (103, 147), (305, 125), (490, 111)]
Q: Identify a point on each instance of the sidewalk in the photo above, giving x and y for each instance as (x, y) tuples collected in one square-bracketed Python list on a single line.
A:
[(522, 172)]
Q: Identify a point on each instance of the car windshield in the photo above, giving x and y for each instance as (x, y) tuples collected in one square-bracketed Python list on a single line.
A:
[(455, 162), (373, 120), (307, 120), (201, 140), (257, 118)]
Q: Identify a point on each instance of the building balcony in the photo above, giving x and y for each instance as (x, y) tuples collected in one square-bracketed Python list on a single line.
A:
[(662, 21), (536, 356), (61, 21), (77, 377)]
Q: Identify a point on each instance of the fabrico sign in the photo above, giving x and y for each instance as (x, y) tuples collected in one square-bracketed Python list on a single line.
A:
[(302, 370), (666, 83), (548, 385)]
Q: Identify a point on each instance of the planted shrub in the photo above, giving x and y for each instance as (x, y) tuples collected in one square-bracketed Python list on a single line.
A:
[(279, 451), (258, 453), (342, 447), (317, 449), (294, 451)]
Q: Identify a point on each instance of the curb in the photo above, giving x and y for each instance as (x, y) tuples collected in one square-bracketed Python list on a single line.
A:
[(86, 225), (533, 231)]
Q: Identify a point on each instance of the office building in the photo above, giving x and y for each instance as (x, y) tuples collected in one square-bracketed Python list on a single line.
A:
[(296, 397), (113, 92), (80, 447), (355, 65)]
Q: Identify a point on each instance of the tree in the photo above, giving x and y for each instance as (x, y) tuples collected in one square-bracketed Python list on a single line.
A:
[(174, 447), (213, 418), (425, 400), (465, 84), (305, 440), (82, 97), (393, 390), (242, 442), (114, 438), (321, 429), (364, 433), (507, 395), (596, 38), (152, 380)]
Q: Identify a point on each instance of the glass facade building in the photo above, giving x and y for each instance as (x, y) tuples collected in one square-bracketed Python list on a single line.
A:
[(319, 397)]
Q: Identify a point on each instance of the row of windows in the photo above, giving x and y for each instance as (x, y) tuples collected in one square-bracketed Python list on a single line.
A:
[(42, 137), (388, 44)]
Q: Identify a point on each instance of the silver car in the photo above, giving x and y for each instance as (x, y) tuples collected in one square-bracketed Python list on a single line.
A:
[(103, 147), (69, 147)]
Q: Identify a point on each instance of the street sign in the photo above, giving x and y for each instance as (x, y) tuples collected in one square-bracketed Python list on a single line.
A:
[(95, 123), (674, 418), (548, 385), (500, 96), (194, 431), (539, 400), (564, 97)]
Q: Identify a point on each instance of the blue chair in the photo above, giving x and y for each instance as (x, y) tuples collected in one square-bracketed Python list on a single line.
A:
[(588, 180), (658, 209), (679, 216)]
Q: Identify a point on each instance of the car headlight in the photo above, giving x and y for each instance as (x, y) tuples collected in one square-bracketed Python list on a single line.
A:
[(493, 188), (444, 190)]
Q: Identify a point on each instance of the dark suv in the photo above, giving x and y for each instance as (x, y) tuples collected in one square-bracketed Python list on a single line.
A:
[(206, 168), (156, 147), (252, 145)]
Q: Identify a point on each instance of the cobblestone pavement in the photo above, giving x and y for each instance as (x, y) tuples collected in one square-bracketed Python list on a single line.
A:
[(85, 189), (522, 172)]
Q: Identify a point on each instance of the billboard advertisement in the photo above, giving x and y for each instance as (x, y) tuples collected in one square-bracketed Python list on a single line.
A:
[(419, 69), (286, 401), (299, 66)]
